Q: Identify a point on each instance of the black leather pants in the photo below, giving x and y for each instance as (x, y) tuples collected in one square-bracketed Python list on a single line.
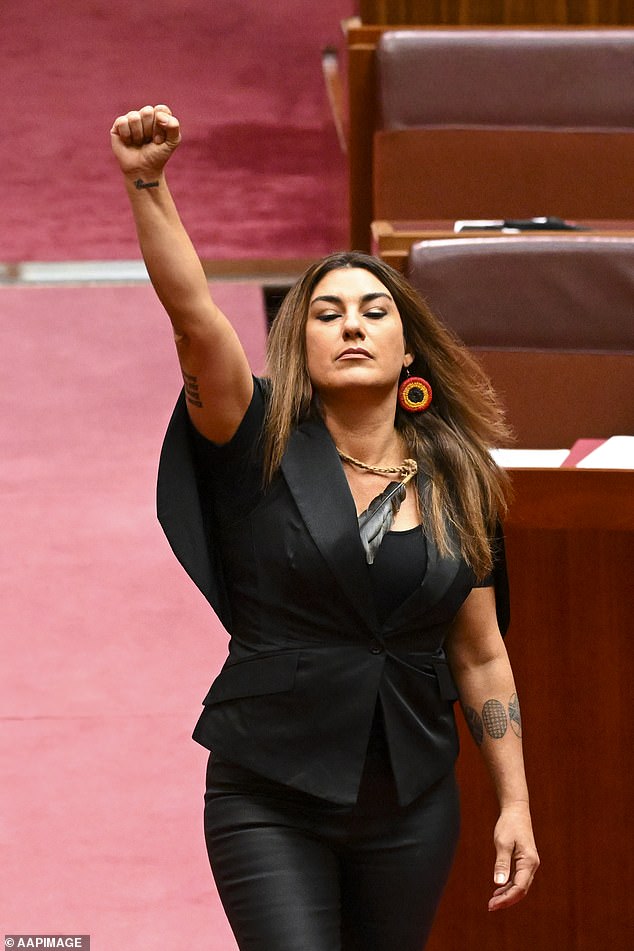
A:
[(297, 873)]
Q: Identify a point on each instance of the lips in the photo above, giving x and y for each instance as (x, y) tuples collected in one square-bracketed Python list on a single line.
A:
[(354, 352)]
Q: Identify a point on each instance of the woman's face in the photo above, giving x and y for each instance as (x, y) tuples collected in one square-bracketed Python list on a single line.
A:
[(354, 333)]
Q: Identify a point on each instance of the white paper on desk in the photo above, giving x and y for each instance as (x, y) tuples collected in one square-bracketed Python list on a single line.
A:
[(617, 452), (530, 458)]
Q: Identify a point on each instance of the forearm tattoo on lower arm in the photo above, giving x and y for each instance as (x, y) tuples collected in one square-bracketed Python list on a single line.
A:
[(474, 722), (192, 393), (515, 717), (494, 719), (139, 184)]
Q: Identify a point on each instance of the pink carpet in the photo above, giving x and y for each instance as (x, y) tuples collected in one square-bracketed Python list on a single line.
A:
[(261, 173), (108, 648)]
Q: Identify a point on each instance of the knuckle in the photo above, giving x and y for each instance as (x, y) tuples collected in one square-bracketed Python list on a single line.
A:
[(503, 847)]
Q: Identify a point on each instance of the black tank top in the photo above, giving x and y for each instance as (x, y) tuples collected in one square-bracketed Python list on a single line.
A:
[(398, 569)]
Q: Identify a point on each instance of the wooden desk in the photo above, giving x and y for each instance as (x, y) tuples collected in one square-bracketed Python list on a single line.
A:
[(391, 240), (476, 13), (570, 542)]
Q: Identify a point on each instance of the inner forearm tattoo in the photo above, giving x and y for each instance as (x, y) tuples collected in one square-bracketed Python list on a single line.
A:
[(192, 394), (493, 720)]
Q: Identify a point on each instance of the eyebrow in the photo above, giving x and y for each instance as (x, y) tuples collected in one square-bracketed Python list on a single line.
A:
[(365, 299)]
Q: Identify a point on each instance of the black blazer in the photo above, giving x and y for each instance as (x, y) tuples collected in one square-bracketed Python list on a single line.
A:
[(296, 698)]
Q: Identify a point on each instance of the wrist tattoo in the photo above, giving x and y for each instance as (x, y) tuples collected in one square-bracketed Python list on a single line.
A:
[(192, 394), (515, 717), (139, 184), (494, 718), (474, 722)]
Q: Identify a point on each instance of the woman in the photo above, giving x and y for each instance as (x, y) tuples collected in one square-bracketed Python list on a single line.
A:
[(296, 504)]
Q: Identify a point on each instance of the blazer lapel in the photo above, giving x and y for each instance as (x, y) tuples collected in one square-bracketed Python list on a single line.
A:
[(439, 575), (315, 477)]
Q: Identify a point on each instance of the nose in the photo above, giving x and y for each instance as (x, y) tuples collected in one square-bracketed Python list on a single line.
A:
[(352, 325)]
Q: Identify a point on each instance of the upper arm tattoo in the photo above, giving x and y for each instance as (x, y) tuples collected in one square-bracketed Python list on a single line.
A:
[(192, 393)]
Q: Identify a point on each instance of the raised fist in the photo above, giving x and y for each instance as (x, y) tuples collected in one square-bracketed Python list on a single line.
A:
[(143, 140)]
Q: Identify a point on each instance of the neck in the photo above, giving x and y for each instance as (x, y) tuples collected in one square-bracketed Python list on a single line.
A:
[(365, 430)]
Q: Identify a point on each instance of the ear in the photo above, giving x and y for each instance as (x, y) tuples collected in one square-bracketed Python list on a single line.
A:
[(408, 359)]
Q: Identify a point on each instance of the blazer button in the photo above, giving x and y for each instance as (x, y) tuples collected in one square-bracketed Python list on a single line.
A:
[(375, 647)]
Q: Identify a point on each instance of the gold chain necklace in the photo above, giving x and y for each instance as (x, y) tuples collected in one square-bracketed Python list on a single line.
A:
[(407, 468)]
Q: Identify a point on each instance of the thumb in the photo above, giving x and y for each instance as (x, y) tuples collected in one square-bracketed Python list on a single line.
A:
[(502, 867), (167, 127)]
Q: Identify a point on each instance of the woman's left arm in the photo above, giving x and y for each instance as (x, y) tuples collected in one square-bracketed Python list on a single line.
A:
[(483, 676)]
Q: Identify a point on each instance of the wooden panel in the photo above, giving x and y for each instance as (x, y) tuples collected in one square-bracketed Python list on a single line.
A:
[(505, 12), (509, 173), (552, 398), (570, 572), (362, 119)]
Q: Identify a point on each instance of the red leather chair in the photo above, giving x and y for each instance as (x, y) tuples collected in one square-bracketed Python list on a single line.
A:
[(504, 123), (552, 321)]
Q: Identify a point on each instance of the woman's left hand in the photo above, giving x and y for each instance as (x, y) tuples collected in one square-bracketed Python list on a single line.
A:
[(516, 856)]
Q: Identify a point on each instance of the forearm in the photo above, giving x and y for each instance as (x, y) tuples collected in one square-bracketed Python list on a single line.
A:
[(486, 687), (172, 262), (491, 708)]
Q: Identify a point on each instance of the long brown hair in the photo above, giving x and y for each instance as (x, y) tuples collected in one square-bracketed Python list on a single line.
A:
[(465, 493)]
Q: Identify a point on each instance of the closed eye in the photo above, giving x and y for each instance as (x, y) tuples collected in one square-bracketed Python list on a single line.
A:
[(375, 314)]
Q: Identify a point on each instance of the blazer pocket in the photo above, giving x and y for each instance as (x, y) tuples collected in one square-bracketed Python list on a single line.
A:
[(446, 684), (435, 667), (253, 677)]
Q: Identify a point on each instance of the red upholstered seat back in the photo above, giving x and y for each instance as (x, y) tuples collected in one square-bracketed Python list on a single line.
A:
[(552, 320), (565, 292), (537, 78)]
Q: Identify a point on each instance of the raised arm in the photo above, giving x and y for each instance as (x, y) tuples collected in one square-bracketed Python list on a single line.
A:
[(483, 675), (216, 373)]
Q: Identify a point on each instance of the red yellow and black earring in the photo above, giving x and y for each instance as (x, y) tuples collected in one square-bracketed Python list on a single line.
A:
[(414, 394)]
